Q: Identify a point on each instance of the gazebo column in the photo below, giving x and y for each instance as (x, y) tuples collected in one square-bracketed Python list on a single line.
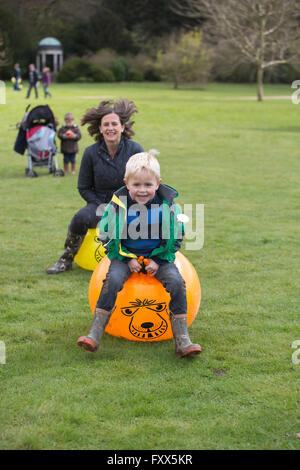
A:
[(38, 62), (54, 63), (43, 59), (60, 60)]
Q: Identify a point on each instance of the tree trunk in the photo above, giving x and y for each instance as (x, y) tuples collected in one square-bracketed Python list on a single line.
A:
[(260, 92)]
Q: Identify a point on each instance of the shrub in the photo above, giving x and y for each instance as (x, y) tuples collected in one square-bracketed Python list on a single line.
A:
[(135, 76), (120, 69), (152, 74), (103, 58), (72, 70), (81, 70), (100, 75)]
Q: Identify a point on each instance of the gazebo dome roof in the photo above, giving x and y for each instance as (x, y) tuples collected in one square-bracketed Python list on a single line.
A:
[(50, 42)]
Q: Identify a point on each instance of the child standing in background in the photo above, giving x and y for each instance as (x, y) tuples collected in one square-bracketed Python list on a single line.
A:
[(69, 134), (46, 80)]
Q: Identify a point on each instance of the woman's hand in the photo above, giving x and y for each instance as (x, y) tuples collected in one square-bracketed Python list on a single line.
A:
[(134, 265), (152, 267)]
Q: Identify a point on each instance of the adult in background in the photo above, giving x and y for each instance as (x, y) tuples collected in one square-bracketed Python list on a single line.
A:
[(102, 170), (17, 77), (33, 77)]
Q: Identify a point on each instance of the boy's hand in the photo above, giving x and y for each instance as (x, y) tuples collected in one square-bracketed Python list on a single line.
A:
[(134, 265), (152, 267), (69, 134)]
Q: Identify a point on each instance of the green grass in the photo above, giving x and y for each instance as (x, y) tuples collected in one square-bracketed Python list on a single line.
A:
[(239, 158)]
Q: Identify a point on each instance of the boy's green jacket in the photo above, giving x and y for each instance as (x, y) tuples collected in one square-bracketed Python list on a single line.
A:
[(113, 225)]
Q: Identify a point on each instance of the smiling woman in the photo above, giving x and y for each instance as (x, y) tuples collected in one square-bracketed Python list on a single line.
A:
[(124, 109), (111, 129), (102, 170)]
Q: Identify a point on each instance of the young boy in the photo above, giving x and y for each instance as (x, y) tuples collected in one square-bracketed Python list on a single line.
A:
[(69, 135), (143, 206)]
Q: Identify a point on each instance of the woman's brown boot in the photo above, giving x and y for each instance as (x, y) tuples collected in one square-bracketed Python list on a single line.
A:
[(72, 244)]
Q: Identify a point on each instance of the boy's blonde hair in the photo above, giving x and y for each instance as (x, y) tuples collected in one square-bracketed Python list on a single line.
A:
[(69, 116), (143, 161)]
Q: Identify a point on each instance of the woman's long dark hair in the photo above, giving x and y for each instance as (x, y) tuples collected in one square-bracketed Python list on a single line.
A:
[(123, 108)]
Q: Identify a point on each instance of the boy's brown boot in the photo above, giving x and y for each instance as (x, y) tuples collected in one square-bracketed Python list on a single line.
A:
[(72, 244), (183, 345), (92, 340)]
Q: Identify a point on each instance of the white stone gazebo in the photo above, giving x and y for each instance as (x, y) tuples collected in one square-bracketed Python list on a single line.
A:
[(53, 47)]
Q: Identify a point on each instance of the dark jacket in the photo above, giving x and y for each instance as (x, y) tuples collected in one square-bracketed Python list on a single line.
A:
[(99, 174), (17, 73), (33, 77), (69, 144), (114, 220)]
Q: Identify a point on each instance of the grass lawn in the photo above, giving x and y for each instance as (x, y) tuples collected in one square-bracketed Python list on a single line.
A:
[(220, 148)]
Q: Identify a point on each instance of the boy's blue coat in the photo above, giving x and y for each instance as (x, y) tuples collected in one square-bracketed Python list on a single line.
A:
[(114, 218)]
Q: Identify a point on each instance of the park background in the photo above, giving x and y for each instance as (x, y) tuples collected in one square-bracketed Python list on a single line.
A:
[(219, 146)]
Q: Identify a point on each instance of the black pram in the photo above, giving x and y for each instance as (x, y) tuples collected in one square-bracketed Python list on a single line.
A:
[(37, 133)]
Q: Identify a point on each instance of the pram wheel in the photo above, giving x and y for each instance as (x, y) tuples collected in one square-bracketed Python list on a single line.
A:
[(30, 173), (59, 173)]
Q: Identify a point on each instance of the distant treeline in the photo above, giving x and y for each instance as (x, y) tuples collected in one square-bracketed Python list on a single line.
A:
[(132, 31)]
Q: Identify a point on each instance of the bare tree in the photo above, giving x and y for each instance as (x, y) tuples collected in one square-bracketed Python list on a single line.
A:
[(184, 59), (264, 33)]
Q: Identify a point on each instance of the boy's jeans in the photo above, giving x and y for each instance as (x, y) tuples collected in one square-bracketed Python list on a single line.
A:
[(32, 85), (167, 274), (46, 92)]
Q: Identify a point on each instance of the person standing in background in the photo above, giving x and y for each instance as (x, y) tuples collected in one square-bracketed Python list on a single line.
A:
[(69, 134), (33, 81), (46, 80), (17, 77)]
